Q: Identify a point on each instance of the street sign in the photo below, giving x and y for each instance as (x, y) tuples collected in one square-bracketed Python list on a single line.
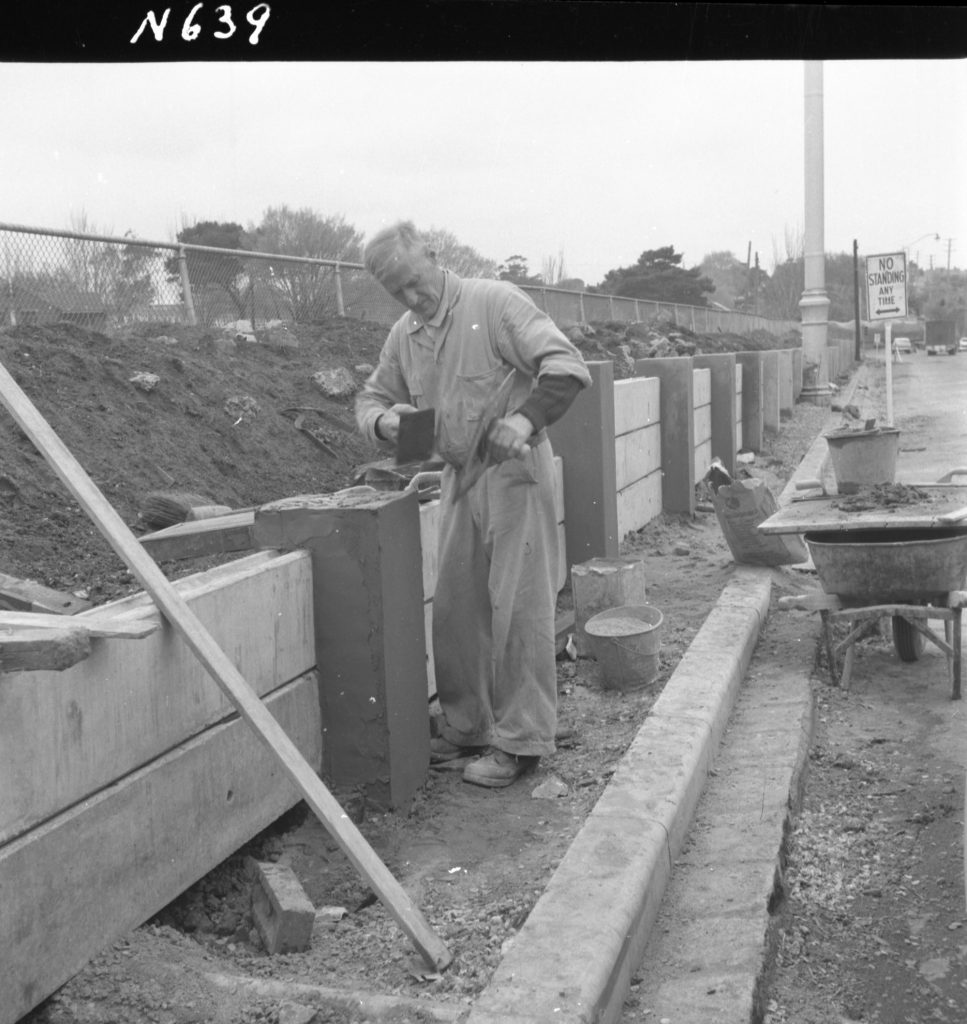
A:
[(886, 285)]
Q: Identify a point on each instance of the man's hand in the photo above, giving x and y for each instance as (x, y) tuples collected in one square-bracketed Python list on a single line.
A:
[(507, 438), (388, 424)]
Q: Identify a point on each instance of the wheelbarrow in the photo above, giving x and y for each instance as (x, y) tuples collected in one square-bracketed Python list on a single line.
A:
[(910, 575)]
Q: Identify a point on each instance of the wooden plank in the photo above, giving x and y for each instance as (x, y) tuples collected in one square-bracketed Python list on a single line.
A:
[(82, 879), (223, 672), (639, 503), (224, 534), (752, 399), (67, 734), (30, 596), (98, 624), (636, 455), (819, 515), (636, 403), (30, 650)]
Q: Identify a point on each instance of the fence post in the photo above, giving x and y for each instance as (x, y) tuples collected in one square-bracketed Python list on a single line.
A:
[(186, 286), (584, 318), (340, 305)]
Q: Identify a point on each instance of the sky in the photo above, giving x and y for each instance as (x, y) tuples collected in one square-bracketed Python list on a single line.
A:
[(592, 162)]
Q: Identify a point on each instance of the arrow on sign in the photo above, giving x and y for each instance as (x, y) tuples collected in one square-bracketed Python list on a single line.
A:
[(889, 309)]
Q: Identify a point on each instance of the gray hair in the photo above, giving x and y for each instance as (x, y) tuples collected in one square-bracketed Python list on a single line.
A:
[(387, 242)]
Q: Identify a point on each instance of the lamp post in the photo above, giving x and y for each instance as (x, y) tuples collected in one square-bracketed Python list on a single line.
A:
[(814, 304)]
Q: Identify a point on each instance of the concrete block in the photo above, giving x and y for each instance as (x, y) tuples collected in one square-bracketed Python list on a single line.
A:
[(602, 583), (282, 911)]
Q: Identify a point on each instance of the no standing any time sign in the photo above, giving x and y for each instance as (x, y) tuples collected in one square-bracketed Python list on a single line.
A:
[(886, 285)]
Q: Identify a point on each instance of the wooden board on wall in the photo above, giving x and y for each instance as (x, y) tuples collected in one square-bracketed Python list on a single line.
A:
[(702, 394), (67, 734), (75, 884)]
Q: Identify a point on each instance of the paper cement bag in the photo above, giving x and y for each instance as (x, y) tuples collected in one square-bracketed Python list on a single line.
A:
[(740, 507)]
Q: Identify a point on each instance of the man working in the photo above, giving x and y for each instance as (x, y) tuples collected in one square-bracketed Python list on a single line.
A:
[(493, 608)]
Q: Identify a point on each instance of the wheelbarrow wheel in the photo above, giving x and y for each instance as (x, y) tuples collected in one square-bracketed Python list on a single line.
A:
[(908, 641)]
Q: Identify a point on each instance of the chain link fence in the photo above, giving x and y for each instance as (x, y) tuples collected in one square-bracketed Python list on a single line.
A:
[(109, 283)]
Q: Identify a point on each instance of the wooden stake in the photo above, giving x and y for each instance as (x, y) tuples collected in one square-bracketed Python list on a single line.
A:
[(221, 669)]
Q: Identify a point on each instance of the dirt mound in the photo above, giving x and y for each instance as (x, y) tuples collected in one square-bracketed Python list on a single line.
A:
[(176, 408)]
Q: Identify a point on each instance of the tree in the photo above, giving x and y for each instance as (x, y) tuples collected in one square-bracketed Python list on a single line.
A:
[(308, 290), (553, 270), (215, 276), (659, 277), (454, 255), (515, 269), (733, 281)]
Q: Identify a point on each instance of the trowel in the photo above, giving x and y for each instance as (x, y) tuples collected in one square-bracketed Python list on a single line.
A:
[(414, 442)]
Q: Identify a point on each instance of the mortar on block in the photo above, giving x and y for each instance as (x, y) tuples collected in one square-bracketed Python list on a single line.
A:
[(626, 643), (863, 458)]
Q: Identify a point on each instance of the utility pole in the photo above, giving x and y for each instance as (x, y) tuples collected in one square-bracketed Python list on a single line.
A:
[(949, 244), (814, 304), (857, 354)]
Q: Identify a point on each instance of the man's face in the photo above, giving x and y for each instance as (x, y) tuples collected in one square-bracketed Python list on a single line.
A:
[(415, 280)]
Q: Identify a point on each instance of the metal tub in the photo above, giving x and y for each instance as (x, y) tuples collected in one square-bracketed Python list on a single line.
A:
[(878, 566)]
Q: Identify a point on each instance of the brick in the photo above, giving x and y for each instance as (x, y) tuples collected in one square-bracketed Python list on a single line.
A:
[(282, 911)]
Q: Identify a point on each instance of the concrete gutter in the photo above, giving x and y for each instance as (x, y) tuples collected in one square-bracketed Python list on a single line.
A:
[(574, 958)]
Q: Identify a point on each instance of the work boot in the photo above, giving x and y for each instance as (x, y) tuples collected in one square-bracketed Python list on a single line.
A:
[(498, 769), (442, 750)]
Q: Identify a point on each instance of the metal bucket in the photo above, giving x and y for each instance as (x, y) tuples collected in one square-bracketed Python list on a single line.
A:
[(625, 641), (863, 458), (888, 564)]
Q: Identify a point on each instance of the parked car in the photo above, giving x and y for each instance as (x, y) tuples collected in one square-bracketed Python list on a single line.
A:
[(903, 345), (962, 345)]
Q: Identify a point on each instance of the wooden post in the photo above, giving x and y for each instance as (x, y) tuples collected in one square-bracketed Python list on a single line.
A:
[(786, 393), (677, 428), (770, 391), (186, 287), (367, 584), (724, 440), (752, 399), (340, 304), (584, 438)]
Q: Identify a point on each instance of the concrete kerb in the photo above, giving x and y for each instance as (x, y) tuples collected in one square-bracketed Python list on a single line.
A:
[(573, 959)]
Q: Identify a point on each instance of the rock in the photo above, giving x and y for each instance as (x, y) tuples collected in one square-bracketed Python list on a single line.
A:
[(335, 383), (296, 1013), (552, 788), (280, 337), (682, 549), (241, 407), (363, 369), (145, 381)]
